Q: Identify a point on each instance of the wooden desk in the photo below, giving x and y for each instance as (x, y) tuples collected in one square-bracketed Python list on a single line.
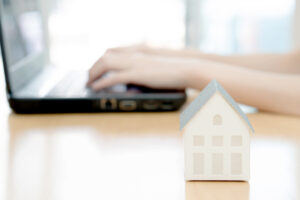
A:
[(133, 156)]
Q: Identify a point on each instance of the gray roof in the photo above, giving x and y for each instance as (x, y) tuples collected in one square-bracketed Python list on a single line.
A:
[(203, 97)]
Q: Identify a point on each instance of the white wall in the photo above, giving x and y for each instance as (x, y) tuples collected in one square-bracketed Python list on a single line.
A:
[(86, 28)]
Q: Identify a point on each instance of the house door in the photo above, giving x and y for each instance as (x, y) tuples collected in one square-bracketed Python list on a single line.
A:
[(198, 163)]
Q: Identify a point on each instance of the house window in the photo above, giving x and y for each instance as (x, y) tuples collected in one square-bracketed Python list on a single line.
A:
[(236, 163), (198, 140), (236, 140), (198, 159), (217, 141), (217, 163), (217, 120)]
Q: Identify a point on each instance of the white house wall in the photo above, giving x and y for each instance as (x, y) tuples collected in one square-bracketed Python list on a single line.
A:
[(202, 124)]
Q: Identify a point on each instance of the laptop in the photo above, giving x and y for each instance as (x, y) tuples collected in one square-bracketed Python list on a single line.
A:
[(34, 85)]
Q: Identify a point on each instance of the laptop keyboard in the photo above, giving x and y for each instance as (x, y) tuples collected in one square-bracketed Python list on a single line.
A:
[(72, 85)]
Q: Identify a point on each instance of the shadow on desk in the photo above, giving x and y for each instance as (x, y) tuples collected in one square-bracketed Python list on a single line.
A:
[(165, 122), (211, 190)]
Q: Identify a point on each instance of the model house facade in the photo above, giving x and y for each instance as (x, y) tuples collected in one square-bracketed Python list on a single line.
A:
[(216, 137)]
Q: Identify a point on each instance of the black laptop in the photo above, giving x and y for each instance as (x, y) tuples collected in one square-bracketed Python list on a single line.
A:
[(36, 86)]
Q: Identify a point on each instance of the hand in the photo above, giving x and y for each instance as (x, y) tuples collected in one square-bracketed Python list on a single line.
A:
[(132, 66)]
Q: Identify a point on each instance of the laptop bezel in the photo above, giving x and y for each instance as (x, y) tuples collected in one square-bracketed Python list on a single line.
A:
[(3, 54), (19, 74)]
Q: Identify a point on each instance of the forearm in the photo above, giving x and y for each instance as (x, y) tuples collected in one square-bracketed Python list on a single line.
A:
[(265, 90), (283, 63)]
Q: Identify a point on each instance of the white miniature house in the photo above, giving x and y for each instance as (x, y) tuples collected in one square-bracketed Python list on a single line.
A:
[(216, 137)]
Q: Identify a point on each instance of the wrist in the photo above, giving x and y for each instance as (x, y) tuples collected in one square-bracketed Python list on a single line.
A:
[(197, 76)]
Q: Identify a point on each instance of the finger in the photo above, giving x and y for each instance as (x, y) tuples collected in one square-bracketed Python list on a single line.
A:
[(109, 62), (96, 71), (117, 78)]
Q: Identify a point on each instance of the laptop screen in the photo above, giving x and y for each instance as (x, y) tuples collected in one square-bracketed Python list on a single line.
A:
[(22, 29), (23, 39)]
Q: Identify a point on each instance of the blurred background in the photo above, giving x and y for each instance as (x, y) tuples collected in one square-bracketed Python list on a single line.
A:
[(81, 30)]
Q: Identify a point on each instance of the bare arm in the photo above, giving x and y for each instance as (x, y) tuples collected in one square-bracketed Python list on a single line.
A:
[(270, 91), (283, 63)]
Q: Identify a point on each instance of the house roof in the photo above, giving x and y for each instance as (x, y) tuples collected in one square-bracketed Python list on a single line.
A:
[(203, 97)]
